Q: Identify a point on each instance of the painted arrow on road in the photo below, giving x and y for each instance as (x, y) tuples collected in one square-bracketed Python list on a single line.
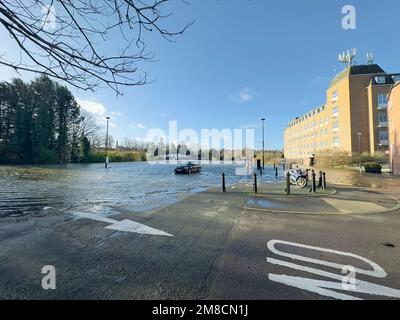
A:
[(124, 225)]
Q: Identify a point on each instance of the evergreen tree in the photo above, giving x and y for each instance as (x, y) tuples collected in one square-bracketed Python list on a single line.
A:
[(43, 91), (38, 122)]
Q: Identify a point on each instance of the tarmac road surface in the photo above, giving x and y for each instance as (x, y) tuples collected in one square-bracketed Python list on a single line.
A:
[(217, 250)]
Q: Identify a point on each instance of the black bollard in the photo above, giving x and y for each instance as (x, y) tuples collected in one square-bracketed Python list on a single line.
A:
[(255, 183), (314, 184), (283, 167), (324, 180), (276, 172), (223, 183), (320, 180), (287, 190), (261, 171)]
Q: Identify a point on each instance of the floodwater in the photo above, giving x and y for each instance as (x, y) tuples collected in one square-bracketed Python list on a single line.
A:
[(366, 180), (32, 190)]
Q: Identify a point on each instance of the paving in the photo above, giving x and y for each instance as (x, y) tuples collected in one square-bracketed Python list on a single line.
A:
[(208, 246), (340, 200)]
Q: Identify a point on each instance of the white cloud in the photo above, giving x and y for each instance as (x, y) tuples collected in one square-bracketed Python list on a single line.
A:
[(138, 126), (246, 94), (99, 112), (92, 107)]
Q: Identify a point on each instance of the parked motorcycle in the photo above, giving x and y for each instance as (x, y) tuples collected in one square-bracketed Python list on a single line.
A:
[(298, 177)]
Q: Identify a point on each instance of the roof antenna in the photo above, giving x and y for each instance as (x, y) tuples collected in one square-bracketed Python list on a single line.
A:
[(348, 59), (370, 57)]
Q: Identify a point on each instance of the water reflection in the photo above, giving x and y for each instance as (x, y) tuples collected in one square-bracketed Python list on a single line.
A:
[(30, 189), (366, 180)]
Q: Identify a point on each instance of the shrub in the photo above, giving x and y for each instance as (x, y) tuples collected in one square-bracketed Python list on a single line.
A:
[(117, 156), (46, 156)]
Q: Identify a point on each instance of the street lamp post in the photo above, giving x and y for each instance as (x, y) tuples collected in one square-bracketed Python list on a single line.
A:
[(359, 147), (263, 142), (106, 164)]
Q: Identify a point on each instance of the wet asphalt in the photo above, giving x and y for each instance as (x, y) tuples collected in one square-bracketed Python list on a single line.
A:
[(218, 251)]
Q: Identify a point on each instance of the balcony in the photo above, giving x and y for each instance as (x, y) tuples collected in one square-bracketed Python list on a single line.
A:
[(382, 106), (382, 124)]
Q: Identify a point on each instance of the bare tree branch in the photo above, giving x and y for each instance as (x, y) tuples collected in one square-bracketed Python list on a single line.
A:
[(67, 39)]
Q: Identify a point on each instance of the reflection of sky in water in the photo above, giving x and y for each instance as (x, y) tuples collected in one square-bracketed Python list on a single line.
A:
[(92, 188)]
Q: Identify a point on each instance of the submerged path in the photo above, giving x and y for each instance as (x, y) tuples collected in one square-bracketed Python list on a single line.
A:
[(205, 247)]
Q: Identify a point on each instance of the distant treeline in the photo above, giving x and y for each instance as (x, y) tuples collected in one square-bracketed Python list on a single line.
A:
[(41, 123), (116, 156)]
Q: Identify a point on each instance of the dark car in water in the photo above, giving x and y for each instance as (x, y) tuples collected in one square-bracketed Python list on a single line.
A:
[(188, 168)]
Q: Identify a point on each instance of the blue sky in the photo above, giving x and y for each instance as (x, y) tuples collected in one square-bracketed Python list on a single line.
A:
[(243, 60)]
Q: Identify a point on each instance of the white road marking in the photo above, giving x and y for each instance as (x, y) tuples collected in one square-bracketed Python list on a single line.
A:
[(311, 285), (132, 226), (124, 225), (92, 216), (322, 287), (377, 272)]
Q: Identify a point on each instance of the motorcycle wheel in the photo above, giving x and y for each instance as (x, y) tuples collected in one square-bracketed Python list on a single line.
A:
[(301, 182)]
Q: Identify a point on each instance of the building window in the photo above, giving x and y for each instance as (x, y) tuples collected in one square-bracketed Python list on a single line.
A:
[(335, 126), (336, 142), (382, 119), (382, 100), (335, 96), (383, 137), (380, 80), (335, 111)]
